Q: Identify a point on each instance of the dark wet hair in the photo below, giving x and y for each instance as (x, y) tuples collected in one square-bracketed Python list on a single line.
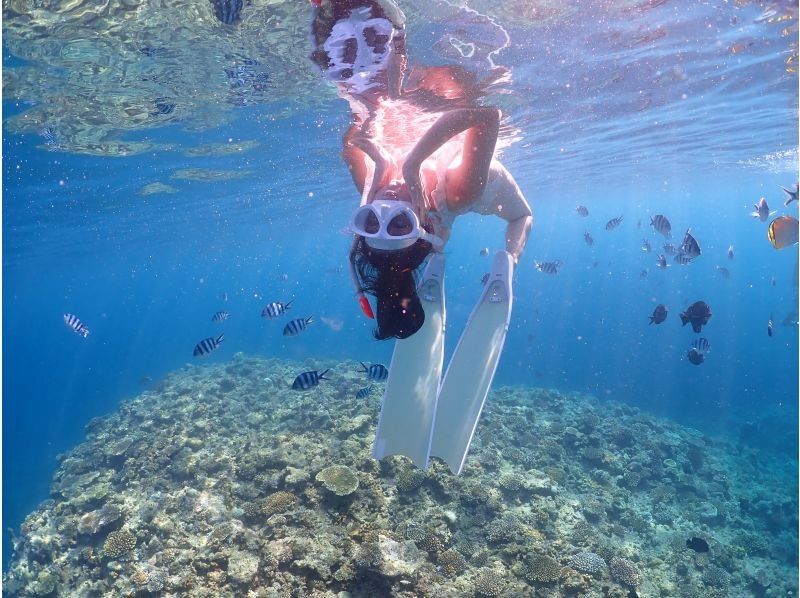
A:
[(391, 277), (327, 15)]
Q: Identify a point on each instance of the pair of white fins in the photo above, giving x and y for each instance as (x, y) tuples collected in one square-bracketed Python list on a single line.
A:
[(423, 415)]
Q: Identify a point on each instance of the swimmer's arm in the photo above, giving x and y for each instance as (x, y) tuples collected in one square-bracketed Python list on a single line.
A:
[(357, 148), (469, 179)]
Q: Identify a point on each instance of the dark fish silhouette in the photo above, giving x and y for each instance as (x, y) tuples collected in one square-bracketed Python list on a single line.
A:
[(375, 371), (613, 223), (698, 313), (661, 225), (682, 259), (769, 326), (643, 273), (695, 357), (697, 544), (670, 249), (724, 272), (730, 252), (791, 195), (588, 238), (205, 346), (659, 314), (228, 11), (582, 211), (762, 210), (310, 379), (662, 262), (689, 247), (646, 247)]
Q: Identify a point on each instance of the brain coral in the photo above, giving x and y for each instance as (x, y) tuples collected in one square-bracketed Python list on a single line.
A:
[(339, 479), (625, 572), (489, 583), (543, 569), (279, 502), (586, 562), (118, 544)]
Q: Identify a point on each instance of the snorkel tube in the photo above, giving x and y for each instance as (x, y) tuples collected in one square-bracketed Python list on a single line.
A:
[(363, 302)]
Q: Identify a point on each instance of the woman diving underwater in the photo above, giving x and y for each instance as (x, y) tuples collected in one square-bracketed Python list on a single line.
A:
[(421, 152)]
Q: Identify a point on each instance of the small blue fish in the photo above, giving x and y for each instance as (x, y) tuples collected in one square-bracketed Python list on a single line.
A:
[(205, 346), (275, 309), (220, 316), (297, 326), (363, 393), (376, 372), (74, 323), (613, 223), (310, 379)]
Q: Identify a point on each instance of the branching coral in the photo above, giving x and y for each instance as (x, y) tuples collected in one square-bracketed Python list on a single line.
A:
[(279, 502), (542, 568)]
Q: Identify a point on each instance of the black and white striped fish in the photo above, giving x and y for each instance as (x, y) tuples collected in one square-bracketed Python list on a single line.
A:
[(588, 238), (646, 247), (297, 326), (702, 344), (220, 316), (363, 393), (548, 267), (582, 211), (613, 223), (670, 249), (681, 258), (205, 346), (74, 323), (275, 309), (662, 262), (49, 137), (661, 225), (375, 371), (310, 379)]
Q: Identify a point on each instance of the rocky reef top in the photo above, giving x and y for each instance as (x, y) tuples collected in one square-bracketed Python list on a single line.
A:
[(222, 481)]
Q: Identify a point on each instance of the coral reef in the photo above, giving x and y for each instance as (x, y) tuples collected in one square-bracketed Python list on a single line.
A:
[(216, 483)]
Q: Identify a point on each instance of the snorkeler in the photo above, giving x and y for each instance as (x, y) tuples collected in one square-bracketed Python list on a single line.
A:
[(420, 154)]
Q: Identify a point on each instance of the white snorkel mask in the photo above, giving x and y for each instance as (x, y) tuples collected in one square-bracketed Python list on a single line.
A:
[(390, 225), (358, 50)]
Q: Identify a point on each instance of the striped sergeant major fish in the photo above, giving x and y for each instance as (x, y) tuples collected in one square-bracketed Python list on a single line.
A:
[(646, 247), (661, 225), (376, 371), (297, 326), (363, 393), (310, 379), (662, 262), (548, 267), (588, 238), (74, 323), (613, 223), (582, 211), (275, 309), (228, 11), (220, 316), (205, 346)]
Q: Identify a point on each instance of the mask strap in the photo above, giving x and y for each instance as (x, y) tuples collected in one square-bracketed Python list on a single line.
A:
[(363, 302)]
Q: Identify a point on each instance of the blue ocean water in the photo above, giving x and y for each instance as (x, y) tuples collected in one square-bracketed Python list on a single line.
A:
[(146, 272)]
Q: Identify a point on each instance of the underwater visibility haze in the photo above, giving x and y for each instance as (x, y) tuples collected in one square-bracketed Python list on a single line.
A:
[(176, 280)]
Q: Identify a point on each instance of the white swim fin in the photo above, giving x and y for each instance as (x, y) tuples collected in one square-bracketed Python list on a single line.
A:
[(472, 367), (408, 408)]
